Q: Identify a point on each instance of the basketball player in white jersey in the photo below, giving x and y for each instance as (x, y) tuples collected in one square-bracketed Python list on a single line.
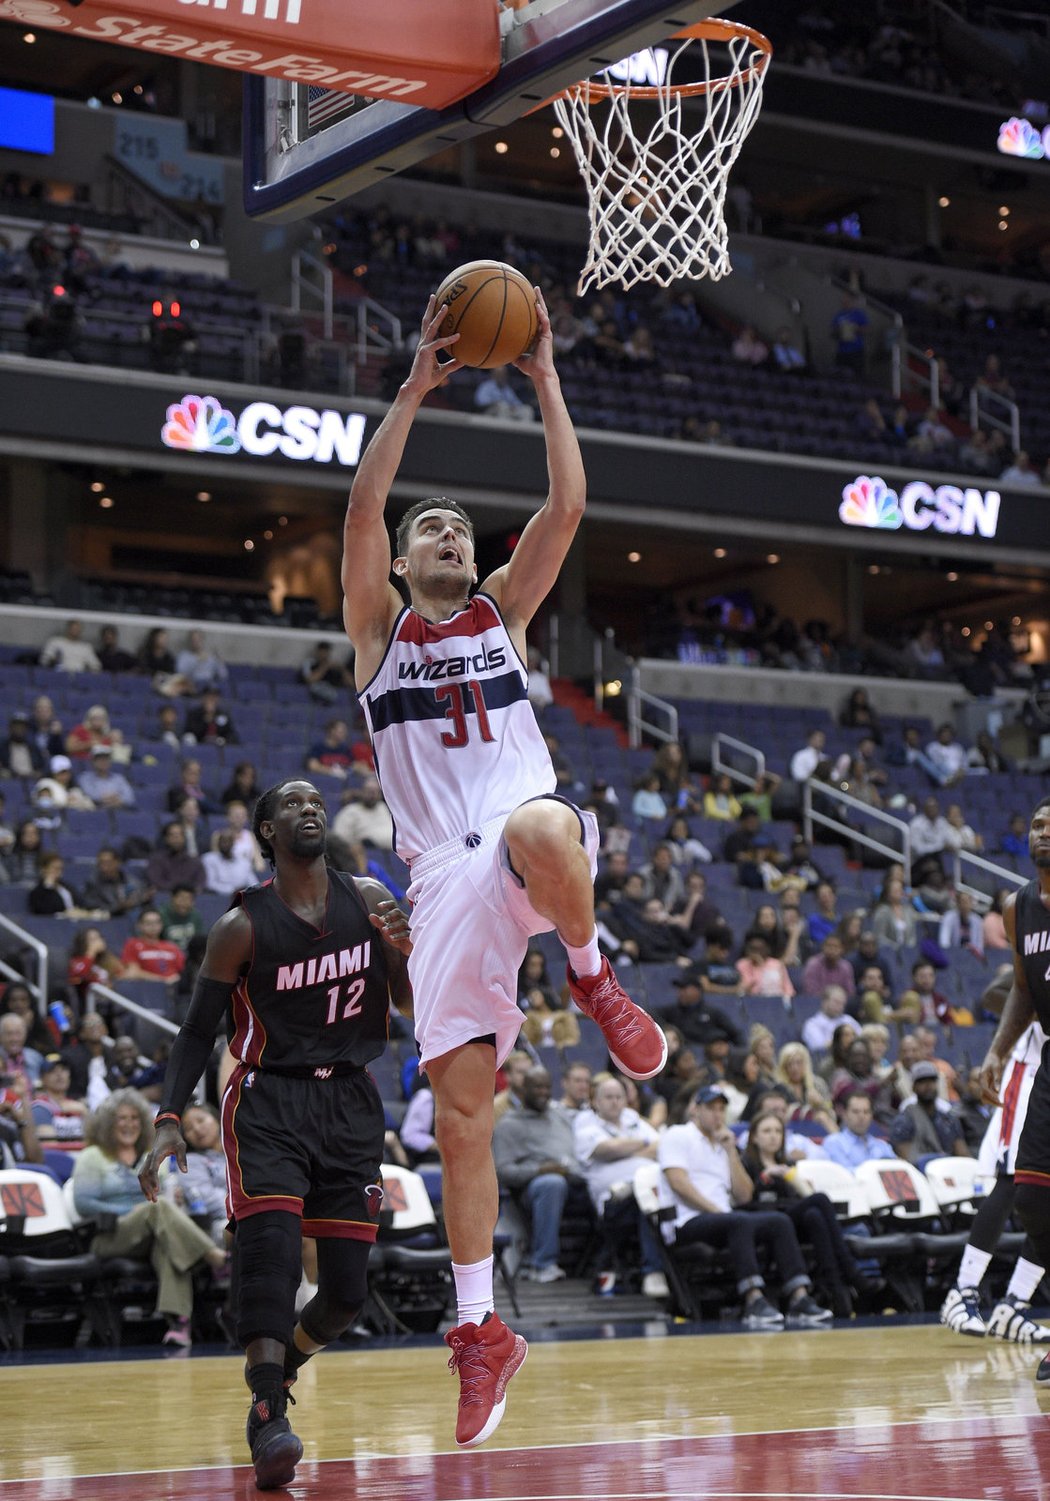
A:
[(495, 855)]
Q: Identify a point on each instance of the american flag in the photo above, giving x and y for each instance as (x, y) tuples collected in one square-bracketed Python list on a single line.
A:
[(325, 105)]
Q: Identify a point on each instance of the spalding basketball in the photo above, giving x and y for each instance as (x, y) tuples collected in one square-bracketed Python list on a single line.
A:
[(493, 309)]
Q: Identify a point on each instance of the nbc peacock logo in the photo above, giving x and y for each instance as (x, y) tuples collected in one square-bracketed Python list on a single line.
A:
[(1019, 138), (202, 424), (869, 501)]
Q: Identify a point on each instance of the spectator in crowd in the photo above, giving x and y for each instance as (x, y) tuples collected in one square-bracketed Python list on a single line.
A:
[(52, 897), (182, 922), (86, 1056), (808, 1097), (609, 883), (948, 754), (869, 421), (171, 864), (760, 973), (243, 787), (201, 1190), (926, 1041), (766, 924), (336, 755), (875, 997), (1015, 840), (961, 926), (536, 1162), (17, 1058), (748, 349), (209, 723), (974, 1114), (928, 1124), (190, 785), (696, 1019), (686, 850), (828, 968), (820, 1028), (867, 954), (575, 1091), (166, 730), (200, 665), (805, 761), (105, 1182), (658, 940), (104, 784), (149, 956), (662, 878), (157, 661), (244, 841), (495, 396), (720, 801), (56, 793), (60, 1120), (366, 818), (648, 801), (848, 329), (1021, 473), (963, 835), (111, 655), (676, 786), (825, 919), (611, 1142), (41, 1034), (854, 1142), (710, 1190), (515, 1067), (22, 859), (858, 714), (94, 730), (540, 694), (69, 652), (19, 754), (110, 890), (696, 915), (741, 845), (893, 921), (857, 1072), (226, 871), (91, 962), (788, 357), (985, 756), (922, 1002), (547, 1021), (45, 728), (993, 929), (323, 675)]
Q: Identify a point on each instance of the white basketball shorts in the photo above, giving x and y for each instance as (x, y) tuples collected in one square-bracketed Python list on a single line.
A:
[(998, 1149)]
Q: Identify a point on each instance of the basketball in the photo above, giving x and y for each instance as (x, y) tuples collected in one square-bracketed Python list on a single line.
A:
[(493, 309)]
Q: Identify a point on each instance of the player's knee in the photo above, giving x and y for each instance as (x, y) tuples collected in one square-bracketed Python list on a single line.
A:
[(1032, 1208), (342, 1289), (540, 832), (267, 1248)]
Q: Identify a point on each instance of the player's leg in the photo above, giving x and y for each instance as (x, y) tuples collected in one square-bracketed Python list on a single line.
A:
[(1032, 1183), (342, 1287), (485, 1352), (545, 845), (267, 1266), (961, 1309)]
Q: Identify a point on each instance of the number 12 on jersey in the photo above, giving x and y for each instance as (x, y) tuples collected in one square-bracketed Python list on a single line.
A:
[(354, 992), (457, 712)]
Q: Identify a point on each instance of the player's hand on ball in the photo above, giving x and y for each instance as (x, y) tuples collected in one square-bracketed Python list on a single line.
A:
[(541, 359), (427, 371), (392, 923), (991, 1080)]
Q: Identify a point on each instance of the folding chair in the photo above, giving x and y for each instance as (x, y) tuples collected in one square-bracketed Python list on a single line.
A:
[(691, 1271), (847, 1195), (410, 1267), (910, 1238), (51, 1279)]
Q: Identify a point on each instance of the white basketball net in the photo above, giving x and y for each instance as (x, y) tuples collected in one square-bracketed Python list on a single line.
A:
[(656, 183)]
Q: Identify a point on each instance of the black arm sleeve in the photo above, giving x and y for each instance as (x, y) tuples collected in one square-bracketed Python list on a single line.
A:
[(192, 1048)]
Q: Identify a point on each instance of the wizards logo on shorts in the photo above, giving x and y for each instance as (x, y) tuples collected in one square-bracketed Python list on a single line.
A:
[(373, 1199)]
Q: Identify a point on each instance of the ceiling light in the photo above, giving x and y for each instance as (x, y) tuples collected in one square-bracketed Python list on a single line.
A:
[(268, 535), (874, 568), (106, 502), (965, 631), (951, 577), (944, 202), (1004, 224), (282, 521), (203, 496), (29, 37), (1016, 620), (249, 545), (989, 625), (772, 557), (137, 89), (1004, 209), (555, 152), (634, 557), (195, 244), (97, 487), (557, 132), (117, 98), (720, 552), (501, 148)]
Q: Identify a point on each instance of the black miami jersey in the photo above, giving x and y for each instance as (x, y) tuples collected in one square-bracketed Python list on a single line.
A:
[(313, 997), (1032, 927)]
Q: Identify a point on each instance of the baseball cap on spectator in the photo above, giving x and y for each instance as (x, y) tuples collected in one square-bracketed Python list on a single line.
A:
[(19, 714), (101, 749), (60, 763), (687, 977), (924, 1071), (709, 1094), (53, 1060)]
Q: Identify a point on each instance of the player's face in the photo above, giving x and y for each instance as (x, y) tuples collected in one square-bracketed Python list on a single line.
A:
[(300, 823), (1039, 838), (440, 552)]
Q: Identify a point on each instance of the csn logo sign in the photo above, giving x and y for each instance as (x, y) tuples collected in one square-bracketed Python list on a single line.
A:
[(201, 424), (869, 501)]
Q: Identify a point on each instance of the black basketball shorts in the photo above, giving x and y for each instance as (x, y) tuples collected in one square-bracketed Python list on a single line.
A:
[(310, 1146), (1033, 1150)]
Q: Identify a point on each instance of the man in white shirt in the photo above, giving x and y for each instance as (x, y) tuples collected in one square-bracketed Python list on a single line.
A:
[(930, 830), (368, 820), (704, 1179), (805, 761), (226, 871), (612, 1141), (105, 787), (820, 1029), (68, 653), (948, 755)]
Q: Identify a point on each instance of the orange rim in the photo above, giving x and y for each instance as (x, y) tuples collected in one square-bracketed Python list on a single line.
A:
[(701, 31)]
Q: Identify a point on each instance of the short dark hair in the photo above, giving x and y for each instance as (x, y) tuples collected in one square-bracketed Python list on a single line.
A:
[(854, 1094), (264, 811), (183, 886), (404, 526), (1044, 802)]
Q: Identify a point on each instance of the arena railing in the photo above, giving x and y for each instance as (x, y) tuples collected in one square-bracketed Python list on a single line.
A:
[(124, 1003), (39, 948), (719, 765), (981, 898), (811, 816)]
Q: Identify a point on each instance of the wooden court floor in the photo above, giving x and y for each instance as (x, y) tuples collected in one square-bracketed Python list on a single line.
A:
[(883, 1413)]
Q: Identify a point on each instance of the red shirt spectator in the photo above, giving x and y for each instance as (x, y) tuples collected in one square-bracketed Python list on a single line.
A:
[(152, 956)]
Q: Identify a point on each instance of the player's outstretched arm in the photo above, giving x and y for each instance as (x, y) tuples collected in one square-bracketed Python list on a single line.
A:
[(371, 602), (521, 585), (227, 955), (1018, 1012)]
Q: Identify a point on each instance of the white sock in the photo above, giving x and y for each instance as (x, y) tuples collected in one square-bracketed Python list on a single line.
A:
[(1026, 1278), (586, 961), (307, 1290), (973, 1266), (473, 1290)]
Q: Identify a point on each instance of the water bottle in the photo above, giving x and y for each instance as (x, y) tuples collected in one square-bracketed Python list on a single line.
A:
[(57, 1012)]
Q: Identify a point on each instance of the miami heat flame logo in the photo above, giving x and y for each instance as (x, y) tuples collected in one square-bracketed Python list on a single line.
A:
[(373, 1200)]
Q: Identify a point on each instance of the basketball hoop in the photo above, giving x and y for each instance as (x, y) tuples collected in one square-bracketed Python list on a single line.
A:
[(656, 184)]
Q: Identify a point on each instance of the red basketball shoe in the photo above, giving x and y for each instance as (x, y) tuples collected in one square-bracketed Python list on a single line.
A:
[(636, 1044), (486, 1356)]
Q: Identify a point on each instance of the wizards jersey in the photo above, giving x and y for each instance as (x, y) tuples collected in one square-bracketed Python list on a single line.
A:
[(455, 739), (312, 997)]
